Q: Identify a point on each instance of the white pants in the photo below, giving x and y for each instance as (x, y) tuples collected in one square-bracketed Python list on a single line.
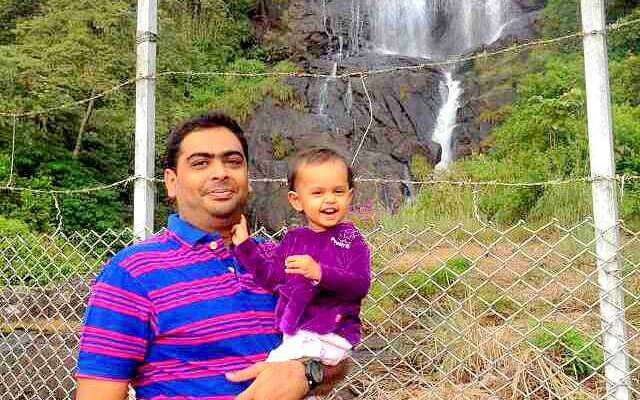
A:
[(329, 348)]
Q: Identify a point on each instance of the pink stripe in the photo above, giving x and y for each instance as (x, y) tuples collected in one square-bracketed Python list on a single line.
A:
[(108, 333), (173, 263), (162, 237), (198, 298), (177, 257), (202, 289), (158, 294), (116, 302), (199, 369), (221, 319), (176, 262), (161, 366), (99, 378), (225, 279), (190, 398), (216, 337), (228, 325), (124, 294), (110, 306), (210, 292), (89, 340), (107, 352)]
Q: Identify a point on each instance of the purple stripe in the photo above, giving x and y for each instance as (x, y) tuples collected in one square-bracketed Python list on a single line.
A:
[(184, 252), (97, 341), (221, 319), (112, 353), (179, 288), (170, 263), (123, 294), (203, 289), (216, 337), (108, 333), (186, 300), (195, 369), (121, 310)]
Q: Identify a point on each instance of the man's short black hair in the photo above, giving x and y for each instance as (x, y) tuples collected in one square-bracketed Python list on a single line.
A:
[(314, 156), (213, 119)]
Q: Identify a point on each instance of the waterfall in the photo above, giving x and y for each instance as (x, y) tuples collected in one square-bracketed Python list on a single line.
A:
[(324, 89), (451, 91), (436, 28)]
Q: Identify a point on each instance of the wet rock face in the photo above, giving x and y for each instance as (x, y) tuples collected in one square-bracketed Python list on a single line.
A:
[(404, 109), (333, 36)]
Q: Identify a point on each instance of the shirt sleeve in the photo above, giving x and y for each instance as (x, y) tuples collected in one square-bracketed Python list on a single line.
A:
[(116, 329), (265, 261), (350, 276)]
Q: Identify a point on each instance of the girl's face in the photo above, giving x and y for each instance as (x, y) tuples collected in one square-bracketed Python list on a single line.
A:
[(322, 192)]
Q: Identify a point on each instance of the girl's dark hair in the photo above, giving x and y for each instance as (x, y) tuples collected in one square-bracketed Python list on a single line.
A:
[(212, 119), (315, 155)]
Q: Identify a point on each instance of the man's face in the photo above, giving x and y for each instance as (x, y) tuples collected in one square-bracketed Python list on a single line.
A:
[(210, 183)]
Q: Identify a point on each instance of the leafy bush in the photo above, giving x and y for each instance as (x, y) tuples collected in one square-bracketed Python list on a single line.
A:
[(579, 355)]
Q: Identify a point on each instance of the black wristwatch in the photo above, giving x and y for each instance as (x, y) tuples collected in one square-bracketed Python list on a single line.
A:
[(313, 372)]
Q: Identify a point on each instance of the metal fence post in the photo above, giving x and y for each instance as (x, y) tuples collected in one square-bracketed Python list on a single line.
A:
[(144, 190), (605, 205)]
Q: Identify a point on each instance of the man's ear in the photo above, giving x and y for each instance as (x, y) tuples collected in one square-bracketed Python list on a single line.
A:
[(294, 200), (170, 183)]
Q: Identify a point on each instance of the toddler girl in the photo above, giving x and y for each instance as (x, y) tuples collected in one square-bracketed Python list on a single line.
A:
[(320, 272)]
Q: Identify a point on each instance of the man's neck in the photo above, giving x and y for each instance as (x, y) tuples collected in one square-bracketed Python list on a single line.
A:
[(211, 224)]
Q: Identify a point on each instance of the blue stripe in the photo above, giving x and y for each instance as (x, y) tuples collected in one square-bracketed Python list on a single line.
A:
[(211, 386), (242, 346), (94, 365)]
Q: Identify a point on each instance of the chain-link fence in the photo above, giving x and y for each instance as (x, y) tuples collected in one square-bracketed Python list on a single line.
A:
[(473, 312)]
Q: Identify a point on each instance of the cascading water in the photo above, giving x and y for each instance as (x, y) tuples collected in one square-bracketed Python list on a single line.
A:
[(437, 29), (451, 91)]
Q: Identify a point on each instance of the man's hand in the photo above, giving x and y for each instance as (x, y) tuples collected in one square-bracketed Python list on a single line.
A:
[(303, 265), (240, 232), (273, 381)]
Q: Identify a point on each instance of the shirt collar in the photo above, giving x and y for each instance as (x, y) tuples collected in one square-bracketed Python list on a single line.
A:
[(189, 233)]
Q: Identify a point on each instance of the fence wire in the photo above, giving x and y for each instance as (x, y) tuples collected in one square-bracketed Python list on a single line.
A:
[(471, 312)]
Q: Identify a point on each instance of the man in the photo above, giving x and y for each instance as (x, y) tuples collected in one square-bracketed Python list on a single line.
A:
[(176, 316)]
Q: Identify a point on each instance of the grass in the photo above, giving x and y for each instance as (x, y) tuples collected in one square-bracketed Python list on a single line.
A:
[(579, 355)]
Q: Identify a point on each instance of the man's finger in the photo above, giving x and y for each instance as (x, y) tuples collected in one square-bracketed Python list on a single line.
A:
[(247, 394), (247, 373)]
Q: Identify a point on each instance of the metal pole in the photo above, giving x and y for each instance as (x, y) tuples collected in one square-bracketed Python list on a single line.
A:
[(144, 190), (605, 204)]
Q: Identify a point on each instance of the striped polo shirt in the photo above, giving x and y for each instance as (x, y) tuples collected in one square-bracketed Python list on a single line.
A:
[(173, 314)]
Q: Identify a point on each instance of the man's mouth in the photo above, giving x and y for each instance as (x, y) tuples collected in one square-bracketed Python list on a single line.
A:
[(220, 193)]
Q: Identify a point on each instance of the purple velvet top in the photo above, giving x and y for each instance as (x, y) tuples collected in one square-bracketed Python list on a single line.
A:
[(331, 306)]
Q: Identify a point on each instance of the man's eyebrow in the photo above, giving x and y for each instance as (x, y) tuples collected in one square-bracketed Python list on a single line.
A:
[(224, 154)]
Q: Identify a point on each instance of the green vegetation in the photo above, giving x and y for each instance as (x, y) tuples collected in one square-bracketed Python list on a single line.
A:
[(542, 135), (579, 355), (54, 52)]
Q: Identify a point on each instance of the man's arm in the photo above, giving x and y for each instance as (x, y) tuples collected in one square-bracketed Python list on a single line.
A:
[(284, 380), (94, 389)]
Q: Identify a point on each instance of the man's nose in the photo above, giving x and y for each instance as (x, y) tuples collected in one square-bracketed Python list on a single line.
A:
[(218, 170)]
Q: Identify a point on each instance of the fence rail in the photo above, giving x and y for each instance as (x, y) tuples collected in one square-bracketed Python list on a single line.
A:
[(472, 312)]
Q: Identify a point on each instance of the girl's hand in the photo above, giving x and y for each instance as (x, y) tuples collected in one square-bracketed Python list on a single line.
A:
[(240, 232), (303, 265)]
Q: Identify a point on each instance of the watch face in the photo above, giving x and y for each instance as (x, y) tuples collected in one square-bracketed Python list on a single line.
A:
[(316, 371)]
